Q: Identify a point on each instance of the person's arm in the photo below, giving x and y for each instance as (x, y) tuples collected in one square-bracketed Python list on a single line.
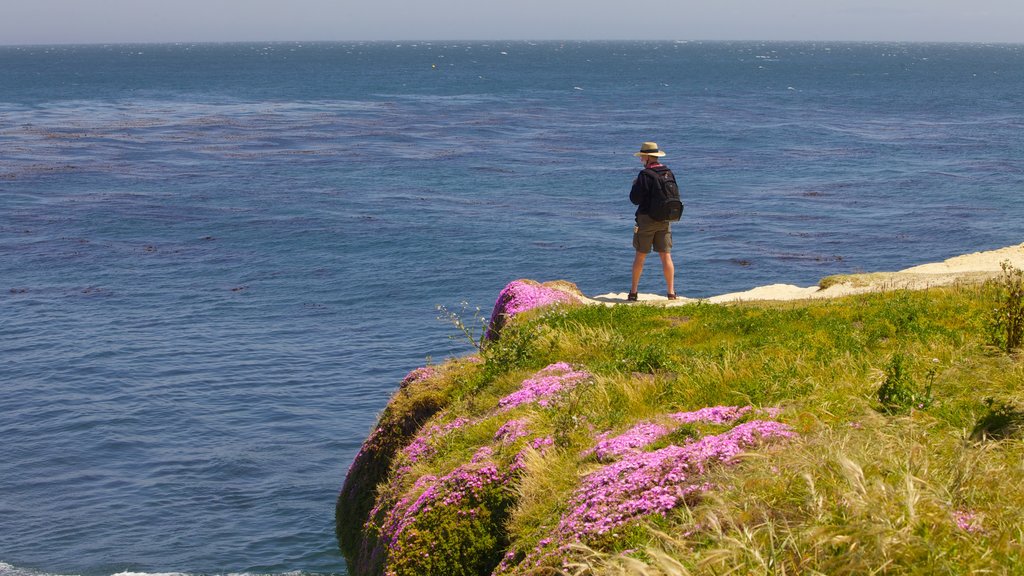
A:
[(638, 193)]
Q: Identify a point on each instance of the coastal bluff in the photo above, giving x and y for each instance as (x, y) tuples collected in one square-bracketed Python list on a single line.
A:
[(854, 428)]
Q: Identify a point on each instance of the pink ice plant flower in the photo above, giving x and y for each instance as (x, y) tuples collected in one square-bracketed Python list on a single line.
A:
[(422, 446), (639, 436), (968, 521), (421, 373), (539, 444), (511, 431), (544, 385), (468, 481), (518, 297), (645, 483), (542, 442), (715, 415), (483, 454), (646, 433)]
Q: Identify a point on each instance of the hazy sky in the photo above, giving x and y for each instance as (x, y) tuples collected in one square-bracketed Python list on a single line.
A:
[(110, 21)]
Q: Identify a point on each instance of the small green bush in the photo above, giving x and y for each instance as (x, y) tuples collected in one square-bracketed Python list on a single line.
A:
[(899, 392), (514, 350), (647, 358), (1007, 322)]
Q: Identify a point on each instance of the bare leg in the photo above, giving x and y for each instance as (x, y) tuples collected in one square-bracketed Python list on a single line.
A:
[(670, 271), (638, 268)]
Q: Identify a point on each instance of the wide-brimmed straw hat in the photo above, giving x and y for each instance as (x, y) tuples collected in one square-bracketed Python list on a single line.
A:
[(650, 149)]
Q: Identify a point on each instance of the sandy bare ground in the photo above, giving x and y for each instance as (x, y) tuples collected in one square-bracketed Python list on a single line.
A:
[(969, 268)]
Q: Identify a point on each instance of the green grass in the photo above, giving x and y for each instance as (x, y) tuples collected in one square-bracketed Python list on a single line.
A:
[(908, 460)]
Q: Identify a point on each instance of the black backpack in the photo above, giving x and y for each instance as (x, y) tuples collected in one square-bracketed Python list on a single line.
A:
[(664, 203)]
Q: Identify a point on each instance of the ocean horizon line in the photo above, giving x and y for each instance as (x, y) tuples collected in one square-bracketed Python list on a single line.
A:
[(699, 41)]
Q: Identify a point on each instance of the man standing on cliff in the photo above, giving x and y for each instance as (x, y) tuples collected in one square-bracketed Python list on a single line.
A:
[(649, 233)]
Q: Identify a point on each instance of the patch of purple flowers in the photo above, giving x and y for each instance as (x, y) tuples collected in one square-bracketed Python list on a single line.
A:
[(541, 443), (520, 296), (968, 521), (646, 433), (713, 415), (482, 454), (450, 490), (422, 446), (417, 375), (511, 431), (654, 482), (640, 484), (629, 441), (544, 385)]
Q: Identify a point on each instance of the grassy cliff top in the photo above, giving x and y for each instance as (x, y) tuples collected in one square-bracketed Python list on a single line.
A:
[(873, 433)]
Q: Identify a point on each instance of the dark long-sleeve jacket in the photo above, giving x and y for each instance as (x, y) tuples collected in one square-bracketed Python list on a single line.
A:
[(640, 194)]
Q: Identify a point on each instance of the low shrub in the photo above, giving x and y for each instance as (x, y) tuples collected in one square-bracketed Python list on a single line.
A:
[(899, 391), (647, 358), (1006, 325)]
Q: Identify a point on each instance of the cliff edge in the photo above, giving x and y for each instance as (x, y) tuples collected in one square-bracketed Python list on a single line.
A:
[(871, 430)]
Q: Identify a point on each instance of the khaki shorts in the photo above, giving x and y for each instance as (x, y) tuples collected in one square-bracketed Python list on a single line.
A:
[(650, 233)]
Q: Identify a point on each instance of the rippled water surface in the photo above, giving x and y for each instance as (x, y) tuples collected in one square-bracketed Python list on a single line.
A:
[(217, 261)]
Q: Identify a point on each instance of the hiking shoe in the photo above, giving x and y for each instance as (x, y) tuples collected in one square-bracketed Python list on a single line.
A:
[(671, 296), (631, 297)]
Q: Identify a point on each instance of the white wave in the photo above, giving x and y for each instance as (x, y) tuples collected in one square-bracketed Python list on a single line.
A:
[(8, 570)]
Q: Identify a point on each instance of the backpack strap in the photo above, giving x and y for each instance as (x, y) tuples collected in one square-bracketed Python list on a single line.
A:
[(657, 175)]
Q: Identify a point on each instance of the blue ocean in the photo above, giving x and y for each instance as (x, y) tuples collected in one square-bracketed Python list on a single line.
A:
[(217, 261)]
